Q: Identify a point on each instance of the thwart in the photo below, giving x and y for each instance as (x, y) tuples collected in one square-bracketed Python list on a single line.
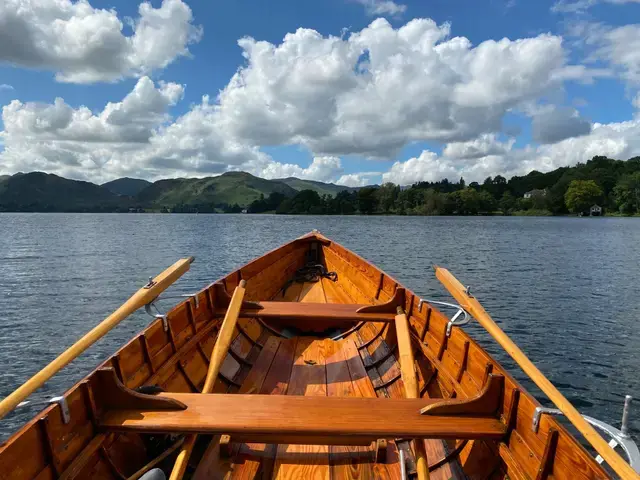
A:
[(308, 361)]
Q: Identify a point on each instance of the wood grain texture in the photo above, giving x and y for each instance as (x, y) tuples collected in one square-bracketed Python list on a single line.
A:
[(307, 309), (308, 378), (219, 354), (346, 462), (251, 457), (297, 415), (44, 447), (312, 292), (471, 304), (409, 378)]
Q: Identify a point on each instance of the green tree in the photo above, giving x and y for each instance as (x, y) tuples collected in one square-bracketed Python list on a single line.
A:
[(344, 203), (523, 204), (627, 193), (367, 200), (305, 201), (581, 194), (486, 202), (507, 203), (387, 195), (539, 199), (468, 201), (433, 203)]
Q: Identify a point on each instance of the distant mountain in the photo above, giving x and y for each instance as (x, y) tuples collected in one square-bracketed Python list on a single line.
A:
[(230, 188), (319, 187), (37, 191), (126, 186), (44, 192)]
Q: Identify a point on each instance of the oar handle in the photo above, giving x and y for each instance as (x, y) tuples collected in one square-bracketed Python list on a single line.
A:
[(471, 305), (143, 296), (220, 350), (410, 381)]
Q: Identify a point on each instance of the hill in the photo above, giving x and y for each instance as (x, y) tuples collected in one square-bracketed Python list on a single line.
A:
[(44, 192), (126, 186), (611, 184), (206, 194), (318, 187)]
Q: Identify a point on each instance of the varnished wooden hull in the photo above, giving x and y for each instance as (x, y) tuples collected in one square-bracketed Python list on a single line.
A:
[(361, 364)]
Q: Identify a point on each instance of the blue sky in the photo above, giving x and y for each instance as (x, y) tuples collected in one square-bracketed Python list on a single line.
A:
[(348, 91)]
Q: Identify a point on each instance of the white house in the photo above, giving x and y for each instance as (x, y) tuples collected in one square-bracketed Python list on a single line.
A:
[(535, 192)]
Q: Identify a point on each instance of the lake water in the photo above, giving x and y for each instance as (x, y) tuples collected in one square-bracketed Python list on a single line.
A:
[(565, 289)]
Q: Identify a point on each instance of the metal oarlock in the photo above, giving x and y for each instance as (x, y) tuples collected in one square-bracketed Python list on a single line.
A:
[(618, 437), (162, 316), (61, 401), (453, 322)]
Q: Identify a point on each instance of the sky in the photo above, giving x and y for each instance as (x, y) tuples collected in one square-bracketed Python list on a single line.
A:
[(354, 92)]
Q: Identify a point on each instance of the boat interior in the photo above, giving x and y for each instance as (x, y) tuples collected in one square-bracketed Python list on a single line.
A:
[(312, 387)]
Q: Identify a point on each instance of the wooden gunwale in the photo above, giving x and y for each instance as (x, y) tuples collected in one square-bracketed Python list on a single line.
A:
[(563, 458), (574, 457)]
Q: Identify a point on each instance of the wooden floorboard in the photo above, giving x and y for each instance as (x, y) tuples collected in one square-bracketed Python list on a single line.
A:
[(321, 367), (333, 292), (308, 377), (253, 458), (364, 388), (312, 292), (436, 449), (345, 462)]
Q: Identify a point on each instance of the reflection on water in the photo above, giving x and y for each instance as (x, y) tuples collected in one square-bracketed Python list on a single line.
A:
[(565, 289)]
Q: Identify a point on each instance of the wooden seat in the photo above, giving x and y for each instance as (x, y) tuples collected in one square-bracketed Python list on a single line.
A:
[(316, 313), (297, 419), (306, 312), (300, 419)]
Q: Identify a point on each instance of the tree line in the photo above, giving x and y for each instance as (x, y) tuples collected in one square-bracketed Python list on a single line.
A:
[(611, 184)]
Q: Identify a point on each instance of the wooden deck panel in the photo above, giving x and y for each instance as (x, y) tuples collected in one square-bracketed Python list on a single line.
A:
[(346, 462), (250, 457), (378, 349), (308, 378), (312, 293), (333, 292)]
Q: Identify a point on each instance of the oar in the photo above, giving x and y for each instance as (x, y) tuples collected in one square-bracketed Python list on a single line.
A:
[(408, 372), (220, 350), (138, 300), (471, 305)]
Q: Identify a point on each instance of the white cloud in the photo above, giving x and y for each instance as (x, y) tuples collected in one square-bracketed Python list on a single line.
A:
[(360, 179), (5, 86), (75, 141), (131, 120), (427, 167), (557, 124), (83, 44), (322, 169), (580, 6), (482, 146), (381, 88), (621, 46), (615, 140), (135, 137), (368, 94), (474, 160), (383, 7)]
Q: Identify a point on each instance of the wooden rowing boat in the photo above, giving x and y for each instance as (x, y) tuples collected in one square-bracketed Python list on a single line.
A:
[(275, 371)]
